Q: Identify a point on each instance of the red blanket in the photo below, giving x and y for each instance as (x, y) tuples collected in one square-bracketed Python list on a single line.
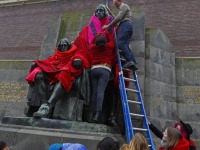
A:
[(59, 67), (105, 55)]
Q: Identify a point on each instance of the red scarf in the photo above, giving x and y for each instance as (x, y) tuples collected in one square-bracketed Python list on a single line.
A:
[(57, 61), (52, 65)]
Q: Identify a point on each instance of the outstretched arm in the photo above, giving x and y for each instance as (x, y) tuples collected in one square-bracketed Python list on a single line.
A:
[(155, 130), (108, 9)]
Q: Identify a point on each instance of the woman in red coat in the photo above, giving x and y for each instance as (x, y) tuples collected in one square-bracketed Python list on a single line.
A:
[(173, 140)]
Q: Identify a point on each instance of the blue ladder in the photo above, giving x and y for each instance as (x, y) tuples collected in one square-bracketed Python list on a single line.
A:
[(125, 103)]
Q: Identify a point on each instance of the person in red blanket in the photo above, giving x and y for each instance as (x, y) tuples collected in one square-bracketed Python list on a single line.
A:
[(61, 69), (173, 140), (101, 49), (86, 35)]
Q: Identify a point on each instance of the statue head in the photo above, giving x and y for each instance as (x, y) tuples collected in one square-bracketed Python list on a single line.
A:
[(64, 45), (100, 41), (101, 11)]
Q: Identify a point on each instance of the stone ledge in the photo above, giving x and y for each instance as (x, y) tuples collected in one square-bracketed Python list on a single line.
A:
[(31, 138), (60, 124)]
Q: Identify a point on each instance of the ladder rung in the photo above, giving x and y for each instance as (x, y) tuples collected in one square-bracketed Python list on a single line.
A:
[(122, 59), (138, 115), (139, 129), (130, 101), (126, 69), (131, 90), (128, 79)]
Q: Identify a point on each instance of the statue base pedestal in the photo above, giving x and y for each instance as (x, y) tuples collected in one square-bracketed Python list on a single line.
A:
[(39, 133), (59, 124)]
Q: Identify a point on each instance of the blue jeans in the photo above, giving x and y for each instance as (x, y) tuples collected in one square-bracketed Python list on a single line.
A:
[(123, 38), (99, 80)]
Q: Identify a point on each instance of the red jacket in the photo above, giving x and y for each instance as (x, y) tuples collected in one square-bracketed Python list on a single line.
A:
[(182, 145), (103, 55)]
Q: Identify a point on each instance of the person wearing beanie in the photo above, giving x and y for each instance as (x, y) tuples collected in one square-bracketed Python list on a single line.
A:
[(184, 128), (56, 146), (102, 59), (67, 146)]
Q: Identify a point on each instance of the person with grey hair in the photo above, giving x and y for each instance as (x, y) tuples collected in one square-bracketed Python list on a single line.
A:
[(124, 34)]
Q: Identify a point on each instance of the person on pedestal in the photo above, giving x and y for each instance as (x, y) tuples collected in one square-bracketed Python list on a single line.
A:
[(124, 33), (99, 18), (61, 68), (101, 49)]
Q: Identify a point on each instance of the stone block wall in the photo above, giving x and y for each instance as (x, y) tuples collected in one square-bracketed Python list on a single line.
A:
[(13, 87), (160, 81), (188, 91), (171, 85)]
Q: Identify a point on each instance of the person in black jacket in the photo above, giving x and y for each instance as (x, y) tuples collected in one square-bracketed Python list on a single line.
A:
[(184, 128)]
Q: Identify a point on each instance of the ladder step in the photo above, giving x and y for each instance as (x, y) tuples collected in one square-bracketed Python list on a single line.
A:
[(139, 129), (137, 115), (126, 69), (131, 90), (128, 79), (122, 59), (135, 102)]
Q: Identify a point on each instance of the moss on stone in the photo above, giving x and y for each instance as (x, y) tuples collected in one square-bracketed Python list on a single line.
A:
[(14, 64)]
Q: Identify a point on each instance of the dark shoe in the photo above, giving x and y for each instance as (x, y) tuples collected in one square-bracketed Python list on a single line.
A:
[(130, 65), (135, 67), (111, 121), (96, 116)]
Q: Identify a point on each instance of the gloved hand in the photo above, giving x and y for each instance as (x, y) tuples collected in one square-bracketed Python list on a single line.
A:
[(77, 63), (33, 65)]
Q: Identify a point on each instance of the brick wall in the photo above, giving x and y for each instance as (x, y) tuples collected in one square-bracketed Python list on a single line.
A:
[(22, 28)]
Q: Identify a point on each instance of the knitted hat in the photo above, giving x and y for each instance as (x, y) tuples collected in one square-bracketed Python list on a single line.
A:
[(73, 146), (100, 41), (56, 146)]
